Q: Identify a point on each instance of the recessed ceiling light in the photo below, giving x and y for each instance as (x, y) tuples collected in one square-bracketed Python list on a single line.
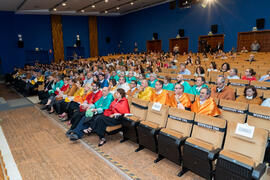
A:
[(106, 1), (54, 9), (93, 6), (118, 8), (106, 12), (64, 4), (131, 3), (82, 10)]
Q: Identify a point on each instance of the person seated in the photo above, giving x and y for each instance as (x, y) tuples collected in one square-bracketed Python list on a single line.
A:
[(251, 58), (180, 80), (110, 117), (173, 65), (114, 75), (184, 70), (233, 74), (221, 91), (199, 71), (199, 84), (132, 92), (249, 75), (225, 67), (122, 84), (250, 96), (88, 79), (266, 102), (112, 85), (103, 82), (197, 61), (255, 46), (244, 50), (159, 95), (180, 99), (167, 84), (212, 67), (204, 104), (43, 95), (145, 91), (130, 77), (188, 61), (219, 46), (152, 80), (266, 78), (98, 108)]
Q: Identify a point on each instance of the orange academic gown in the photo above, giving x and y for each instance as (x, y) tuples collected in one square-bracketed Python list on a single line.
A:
[(184, 100), (162, 98), (209, 107)]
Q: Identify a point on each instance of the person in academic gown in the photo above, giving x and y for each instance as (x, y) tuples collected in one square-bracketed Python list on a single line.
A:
[(180, 99), (145, 91), (160, 95)]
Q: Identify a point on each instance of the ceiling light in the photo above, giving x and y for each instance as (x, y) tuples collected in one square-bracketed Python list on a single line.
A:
[(131, 3), (93, 6), (64, 4), (82, 10), (54, 9), (106, 12), (118, 8), (106, 1)]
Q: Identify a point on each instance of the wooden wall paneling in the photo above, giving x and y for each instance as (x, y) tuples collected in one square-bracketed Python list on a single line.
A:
[(181, 42), (154, 45), (212, 40), (57, 38), (93, 36)]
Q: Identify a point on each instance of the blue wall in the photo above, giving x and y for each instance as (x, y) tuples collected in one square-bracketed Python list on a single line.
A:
[(232, 16), (73, 25)]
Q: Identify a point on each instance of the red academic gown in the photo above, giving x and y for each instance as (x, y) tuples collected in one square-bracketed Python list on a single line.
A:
[(92, 98), (121, 107)]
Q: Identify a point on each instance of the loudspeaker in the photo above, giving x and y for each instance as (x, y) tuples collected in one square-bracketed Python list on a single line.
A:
[(260, 23), (172, 5), (155, 35), (214, 28), (108, 39), (20, 44), (78, 43), (181, 32)]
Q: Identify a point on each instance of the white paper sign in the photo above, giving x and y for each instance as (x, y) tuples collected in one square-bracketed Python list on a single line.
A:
[(128, 114), (157, 106), (244, 130)]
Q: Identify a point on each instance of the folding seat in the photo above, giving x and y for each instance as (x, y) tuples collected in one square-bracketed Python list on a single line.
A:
[(172, 138), (242, 157), (202, 148), (261, 85), (238, 82), (266, 94), (149, 129), (233, 111), (259, 116), (138, 110)]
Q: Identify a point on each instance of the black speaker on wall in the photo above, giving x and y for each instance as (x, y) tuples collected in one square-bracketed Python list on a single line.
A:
[(181, 32), (214, 28), (260, 23), (172, 5), (155, 35), (20, 44), (78, 43), (108, 39)]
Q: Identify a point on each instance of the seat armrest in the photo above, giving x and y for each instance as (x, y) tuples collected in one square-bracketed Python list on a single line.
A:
[(212, 155), (259, 171), (182, 140)]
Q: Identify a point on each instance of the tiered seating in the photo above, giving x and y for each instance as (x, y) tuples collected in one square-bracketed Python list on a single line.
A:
[(242, 157), (201, 149)]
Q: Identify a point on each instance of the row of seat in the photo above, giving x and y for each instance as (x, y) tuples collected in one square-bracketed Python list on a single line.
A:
[(196, 141)]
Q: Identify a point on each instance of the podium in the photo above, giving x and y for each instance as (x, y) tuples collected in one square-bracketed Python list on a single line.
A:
[(153, 46), (212, 40), (181, 42), (247, 38)]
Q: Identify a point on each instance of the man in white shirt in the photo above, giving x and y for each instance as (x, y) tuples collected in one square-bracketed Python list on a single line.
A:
[(266, 77), (122, 84), (184, 70), (88, 79), (233, 74)]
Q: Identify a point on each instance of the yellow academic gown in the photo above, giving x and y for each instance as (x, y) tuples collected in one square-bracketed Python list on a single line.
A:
[(162, 98), (184, 100), (209, 107), (145, 94)]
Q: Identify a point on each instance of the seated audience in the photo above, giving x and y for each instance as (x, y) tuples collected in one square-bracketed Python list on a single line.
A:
[(121, 84), (180, 99), (184, 70), (103, 82), (244, 50), (199, 71), (132, 92), (199, 84), (250, 96), (266, 102), (225, 67), (152, 80), (167, 84), (249, 75), (180, 80), (233, 74), (159, 95), (255, 46), (266, 78), (212, 67), (204, 104), (145, 91), (221, 91)]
